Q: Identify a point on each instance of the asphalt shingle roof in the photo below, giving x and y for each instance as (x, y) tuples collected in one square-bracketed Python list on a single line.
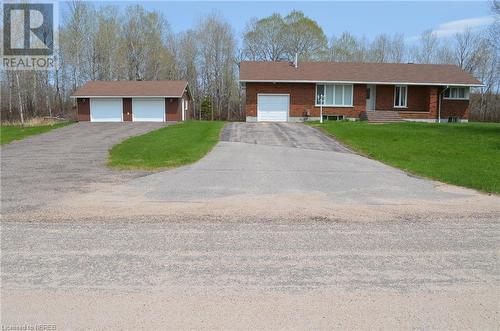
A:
[(442, 74), (127, 88)]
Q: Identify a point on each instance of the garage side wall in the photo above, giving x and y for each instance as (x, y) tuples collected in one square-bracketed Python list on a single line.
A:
[(173, 109), (302, 100), (127, 109), (83, 109)]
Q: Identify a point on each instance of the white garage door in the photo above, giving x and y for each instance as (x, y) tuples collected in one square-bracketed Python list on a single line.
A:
[(148, 110), (272, 107), (106, 110)]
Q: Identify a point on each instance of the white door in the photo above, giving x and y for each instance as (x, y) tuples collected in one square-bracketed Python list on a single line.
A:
[(272, 107), (370, 97), (106, 110), (148, 110)]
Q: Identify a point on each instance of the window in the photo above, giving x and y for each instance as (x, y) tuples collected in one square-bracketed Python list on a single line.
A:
[(320, 93), (400, 94), (452, 119), (459, 93), (329, 95), (333, 117), (334, 95)]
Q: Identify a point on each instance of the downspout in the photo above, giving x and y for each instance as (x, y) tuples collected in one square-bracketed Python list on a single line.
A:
[(439, 103)]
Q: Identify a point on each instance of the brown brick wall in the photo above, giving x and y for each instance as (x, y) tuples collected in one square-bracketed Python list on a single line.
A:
[(433, 101), (459, 108), (83, 109), (415, 115), (418, 98), (127, 109), (302, 99), (173, 109)]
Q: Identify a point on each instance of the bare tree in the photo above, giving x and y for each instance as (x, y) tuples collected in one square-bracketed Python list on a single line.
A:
[(427, 49), (345, 48), (397, 51), (217, 48), (380, 48), (303, 36), (108, 41), (264, 39)]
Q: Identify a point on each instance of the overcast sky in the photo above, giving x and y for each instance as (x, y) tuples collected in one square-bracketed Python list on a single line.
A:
[(359, 18)]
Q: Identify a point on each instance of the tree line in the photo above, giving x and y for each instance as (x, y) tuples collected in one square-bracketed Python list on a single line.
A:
[(106, 43)]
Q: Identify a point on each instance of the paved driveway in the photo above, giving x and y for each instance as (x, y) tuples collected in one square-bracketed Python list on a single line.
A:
[(282, 159), (281, 134), (47, 167)]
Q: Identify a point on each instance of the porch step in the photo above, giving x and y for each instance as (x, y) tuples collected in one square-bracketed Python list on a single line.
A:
[(381, 116)]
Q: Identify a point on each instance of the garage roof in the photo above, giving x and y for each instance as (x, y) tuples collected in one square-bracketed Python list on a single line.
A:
[(130, 88), (382, 73)]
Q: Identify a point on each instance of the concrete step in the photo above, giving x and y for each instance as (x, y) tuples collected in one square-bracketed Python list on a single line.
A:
[(381, 116)]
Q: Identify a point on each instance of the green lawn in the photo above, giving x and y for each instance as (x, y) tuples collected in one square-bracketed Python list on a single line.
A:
[(9, 133), (461, 154), (168, 147)]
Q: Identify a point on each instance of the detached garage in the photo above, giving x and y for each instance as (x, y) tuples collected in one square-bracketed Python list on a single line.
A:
[(133, 101)]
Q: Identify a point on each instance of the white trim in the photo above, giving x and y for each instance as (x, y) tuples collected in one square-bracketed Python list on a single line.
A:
[(183, 110), (124, 96), (406, 96), (269, 94), (334, 105), (356, 82)]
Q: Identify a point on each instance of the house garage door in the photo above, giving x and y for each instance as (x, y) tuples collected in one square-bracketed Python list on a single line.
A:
[(272, 107), (106, 110), (148, 110)]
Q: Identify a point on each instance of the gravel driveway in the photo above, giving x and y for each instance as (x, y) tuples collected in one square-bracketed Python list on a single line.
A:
[(49, 166)]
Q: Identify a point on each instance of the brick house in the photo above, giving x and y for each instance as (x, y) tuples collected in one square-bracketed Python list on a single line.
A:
[(133, 101), (283, 91)]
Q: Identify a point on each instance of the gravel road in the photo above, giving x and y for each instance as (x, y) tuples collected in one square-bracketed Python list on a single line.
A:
[(170, 272)]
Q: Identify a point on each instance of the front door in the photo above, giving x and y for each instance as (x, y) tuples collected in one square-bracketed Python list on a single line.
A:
[(370, 97)]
